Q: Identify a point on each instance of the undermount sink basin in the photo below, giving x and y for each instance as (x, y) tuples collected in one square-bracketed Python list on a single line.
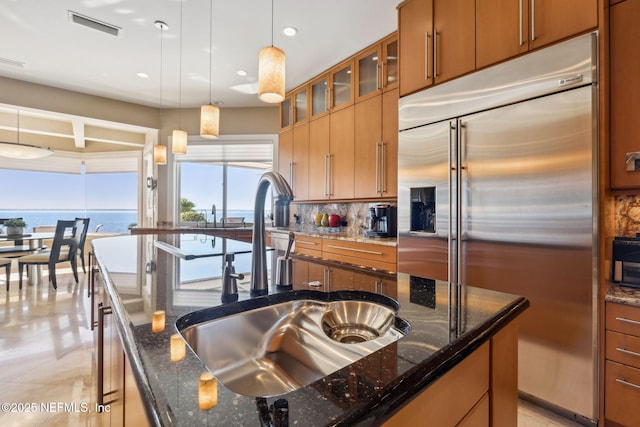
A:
[(281, 347)]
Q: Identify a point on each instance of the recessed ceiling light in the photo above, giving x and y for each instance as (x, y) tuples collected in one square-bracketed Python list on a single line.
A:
[(241, 73), (290, 31), (142, 75)]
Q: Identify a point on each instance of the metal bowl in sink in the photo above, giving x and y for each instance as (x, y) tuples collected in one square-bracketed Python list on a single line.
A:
[(281, 347)]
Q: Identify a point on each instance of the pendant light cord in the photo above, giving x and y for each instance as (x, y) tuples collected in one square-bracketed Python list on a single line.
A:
[(271, 22), (210, 51), (180, 72)]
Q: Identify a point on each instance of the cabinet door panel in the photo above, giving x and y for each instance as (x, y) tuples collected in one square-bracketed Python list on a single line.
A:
[(625, 91), (301, 162), (318, 150), (415, 32), (553, 20), (285, 154), (502, 30), (390, 139), (368, 136), (342, 153), (455, 34)]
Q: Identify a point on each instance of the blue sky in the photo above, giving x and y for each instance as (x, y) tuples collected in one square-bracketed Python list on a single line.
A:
[(44, 190)]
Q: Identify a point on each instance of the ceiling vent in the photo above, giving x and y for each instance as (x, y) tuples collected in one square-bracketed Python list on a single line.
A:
[(93, 23)]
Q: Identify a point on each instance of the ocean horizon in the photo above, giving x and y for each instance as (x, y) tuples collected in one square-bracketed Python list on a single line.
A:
[(109, 220)]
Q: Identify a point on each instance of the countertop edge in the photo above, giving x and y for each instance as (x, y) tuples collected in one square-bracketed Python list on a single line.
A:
[(622, 295)]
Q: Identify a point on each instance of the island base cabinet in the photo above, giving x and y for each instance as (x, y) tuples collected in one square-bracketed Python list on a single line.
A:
[(481, 390)]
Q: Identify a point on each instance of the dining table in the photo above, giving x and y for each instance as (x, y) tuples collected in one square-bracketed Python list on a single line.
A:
[(28, 243)]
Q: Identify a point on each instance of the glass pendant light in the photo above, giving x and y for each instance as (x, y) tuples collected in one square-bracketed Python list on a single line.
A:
[(209, 113), (179, 137), (271, 71)]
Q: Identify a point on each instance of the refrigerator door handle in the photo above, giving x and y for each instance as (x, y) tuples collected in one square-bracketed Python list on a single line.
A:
[(450, 238), (459, 159)]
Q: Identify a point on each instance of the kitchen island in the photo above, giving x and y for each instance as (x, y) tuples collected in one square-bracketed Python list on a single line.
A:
[(135, 279)]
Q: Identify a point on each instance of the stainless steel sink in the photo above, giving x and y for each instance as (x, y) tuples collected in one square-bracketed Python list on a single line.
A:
[(279, 348)]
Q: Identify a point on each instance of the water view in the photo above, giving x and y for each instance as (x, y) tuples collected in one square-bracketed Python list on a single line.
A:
[(108, 221)]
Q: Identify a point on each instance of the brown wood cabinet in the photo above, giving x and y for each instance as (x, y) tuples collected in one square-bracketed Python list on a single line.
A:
[(117, 395), (376, 145), (377, 69), (479, 391), (285, 154), (437, 42), (365, 254), (506, 28), (622, 364), (624, 63), (331, 156), (293, 159)]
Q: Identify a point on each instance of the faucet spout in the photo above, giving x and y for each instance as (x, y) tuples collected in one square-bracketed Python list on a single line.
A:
[(259, 283)]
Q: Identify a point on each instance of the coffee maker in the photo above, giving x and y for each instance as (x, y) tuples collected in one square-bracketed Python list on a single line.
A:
[(382, 221)]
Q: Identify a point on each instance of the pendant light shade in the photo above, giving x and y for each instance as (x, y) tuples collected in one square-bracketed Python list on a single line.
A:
[(271, 63), (209, 121), (16, 150), (159, 154), (179, 141)]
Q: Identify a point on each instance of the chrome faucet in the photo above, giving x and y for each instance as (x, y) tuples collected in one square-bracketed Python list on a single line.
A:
[(259, 283)]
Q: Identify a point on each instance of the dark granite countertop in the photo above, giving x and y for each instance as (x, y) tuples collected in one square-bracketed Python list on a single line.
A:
[(141, 278), (623, 294)]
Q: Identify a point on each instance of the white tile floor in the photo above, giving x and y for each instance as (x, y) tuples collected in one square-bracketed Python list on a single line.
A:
[(46, 358)]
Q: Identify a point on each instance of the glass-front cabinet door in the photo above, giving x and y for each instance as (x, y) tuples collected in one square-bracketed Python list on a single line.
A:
[(301, 105), (286, 113), (342, 85), (377, 68), (320, 96), (390, 62)]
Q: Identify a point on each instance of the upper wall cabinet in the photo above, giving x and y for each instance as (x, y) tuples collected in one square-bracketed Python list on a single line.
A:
[(437, 42), (624, 63), (377, 69), (333, 90), (506, 28), (294, 110)]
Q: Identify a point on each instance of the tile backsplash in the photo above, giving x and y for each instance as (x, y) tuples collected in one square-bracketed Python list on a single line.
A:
[(627, 215), (354, 214)]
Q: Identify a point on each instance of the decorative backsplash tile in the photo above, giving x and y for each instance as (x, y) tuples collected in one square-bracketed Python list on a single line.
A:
[(354, 214), (627, 215)]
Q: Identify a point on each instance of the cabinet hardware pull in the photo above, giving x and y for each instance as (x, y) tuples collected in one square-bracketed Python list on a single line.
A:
[(426, 56), (533, 20), (377, 168), (633, 322), (291, 180), (627, 383), (435, 54), (383, 176), (629, 352), (521, 22), (381, 79), (306, 242), (355, 250), (102, 311)]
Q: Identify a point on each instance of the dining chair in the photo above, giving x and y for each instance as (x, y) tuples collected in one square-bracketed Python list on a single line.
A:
[(6, 263), (83, 239), (64, 248)]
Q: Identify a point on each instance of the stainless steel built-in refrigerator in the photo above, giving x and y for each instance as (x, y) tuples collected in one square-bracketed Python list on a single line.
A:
[(497, 189)]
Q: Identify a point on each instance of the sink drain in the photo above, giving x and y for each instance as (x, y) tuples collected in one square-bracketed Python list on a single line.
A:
[(351, 333)]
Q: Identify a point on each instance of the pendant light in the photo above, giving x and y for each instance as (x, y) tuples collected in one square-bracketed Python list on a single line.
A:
[(159, 150), (209, 113), (15, 150), (179, 136), (271, 62)]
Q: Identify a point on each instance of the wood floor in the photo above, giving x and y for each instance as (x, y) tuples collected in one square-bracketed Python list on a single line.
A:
[(46, 358)]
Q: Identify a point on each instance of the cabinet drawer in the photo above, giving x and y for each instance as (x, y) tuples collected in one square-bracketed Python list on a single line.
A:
[(622, 394), (308, 245), (623, 348), (623, 318), (370, 255)]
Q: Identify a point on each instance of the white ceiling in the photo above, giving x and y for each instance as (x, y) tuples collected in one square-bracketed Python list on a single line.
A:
[(57, 52)]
